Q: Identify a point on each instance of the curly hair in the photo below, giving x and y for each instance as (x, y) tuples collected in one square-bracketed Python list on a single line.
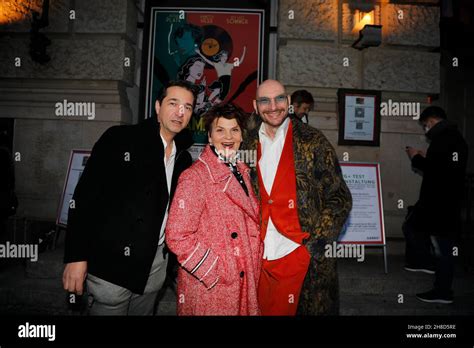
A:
[(227, 110)]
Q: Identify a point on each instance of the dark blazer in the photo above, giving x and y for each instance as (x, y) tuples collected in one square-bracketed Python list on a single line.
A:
[(120, 201), (438, 210)]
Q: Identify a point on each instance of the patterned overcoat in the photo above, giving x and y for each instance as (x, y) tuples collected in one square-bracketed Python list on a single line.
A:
[(323, 202)]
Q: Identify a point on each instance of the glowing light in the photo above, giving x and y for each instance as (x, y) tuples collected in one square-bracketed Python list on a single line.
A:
[(367, 18), (362, 19), (17, 11)]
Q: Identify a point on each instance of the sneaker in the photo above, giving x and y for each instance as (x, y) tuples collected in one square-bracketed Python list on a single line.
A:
[(428, 269), (433, 296)]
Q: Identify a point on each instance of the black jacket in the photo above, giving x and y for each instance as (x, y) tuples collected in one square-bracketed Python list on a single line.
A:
[(439, 205), (120, 202)]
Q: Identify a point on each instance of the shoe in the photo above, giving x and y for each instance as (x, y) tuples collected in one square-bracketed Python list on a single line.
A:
[(433, 296), (428, 270)]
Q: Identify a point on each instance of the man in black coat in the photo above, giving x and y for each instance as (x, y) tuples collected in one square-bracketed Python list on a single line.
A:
[(437, 213), (115, 235)]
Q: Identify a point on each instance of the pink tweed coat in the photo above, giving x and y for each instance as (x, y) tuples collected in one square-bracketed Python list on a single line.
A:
[(213, 229)]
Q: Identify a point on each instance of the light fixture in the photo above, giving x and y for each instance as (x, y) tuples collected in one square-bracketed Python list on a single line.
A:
[(362, 19), (369, 36)]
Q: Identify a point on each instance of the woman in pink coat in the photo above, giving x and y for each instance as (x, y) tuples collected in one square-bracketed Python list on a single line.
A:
[(213, 225)]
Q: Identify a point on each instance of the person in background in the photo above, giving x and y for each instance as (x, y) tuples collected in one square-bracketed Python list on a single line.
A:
[(437, 213), (302, 102)]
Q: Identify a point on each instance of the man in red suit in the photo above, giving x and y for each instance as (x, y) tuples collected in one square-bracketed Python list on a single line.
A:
[(304, 204)]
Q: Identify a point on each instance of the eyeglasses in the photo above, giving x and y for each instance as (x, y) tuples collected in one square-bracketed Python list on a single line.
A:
[(265, 101)]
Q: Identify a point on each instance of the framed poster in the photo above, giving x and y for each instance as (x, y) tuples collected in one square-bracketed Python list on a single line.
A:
[(365, 224), (77, 163), (359, 117), (220, 47)]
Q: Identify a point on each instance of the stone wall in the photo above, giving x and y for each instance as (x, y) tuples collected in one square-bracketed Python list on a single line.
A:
[(88, 51), (312, 49), (87, 65)]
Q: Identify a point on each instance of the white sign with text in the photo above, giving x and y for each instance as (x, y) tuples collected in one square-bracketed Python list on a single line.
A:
[(365, 224)]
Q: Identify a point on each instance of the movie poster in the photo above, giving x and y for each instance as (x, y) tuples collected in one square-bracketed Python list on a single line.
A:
[(220, 51)]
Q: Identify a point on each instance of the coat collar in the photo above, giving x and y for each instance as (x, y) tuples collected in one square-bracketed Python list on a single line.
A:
[(183, 140), (252, 133), (220, 173), (439, 128), (218, 170), (251, 140)]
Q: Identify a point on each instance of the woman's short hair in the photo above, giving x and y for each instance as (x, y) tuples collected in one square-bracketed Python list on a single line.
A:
[(227, 110)]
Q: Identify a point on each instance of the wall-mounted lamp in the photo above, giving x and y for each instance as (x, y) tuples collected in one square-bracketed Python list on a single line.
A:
[(370, 34), (361, 19)]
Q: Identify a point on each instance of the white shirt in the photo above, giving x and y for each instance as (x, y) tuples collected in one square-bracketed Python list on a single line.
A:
[(169, 167), (275, 244)]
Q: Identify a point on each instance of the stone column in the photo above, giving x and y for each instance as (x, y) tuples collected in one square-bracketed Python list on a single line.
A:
[(92, 52)]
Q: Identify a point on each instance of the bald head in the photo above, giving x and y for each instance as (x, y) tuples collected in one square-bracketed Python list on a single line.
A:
[(270, 86), (272, 105)]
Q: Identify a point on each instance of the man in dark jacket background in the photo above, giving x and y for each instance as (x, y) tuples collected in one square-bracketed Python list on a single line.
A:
[(437, 212), (115, 235)]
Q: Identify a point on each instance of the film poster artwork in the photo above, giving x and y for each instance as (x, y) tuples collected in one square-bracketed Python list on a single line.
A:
[(220, 52)]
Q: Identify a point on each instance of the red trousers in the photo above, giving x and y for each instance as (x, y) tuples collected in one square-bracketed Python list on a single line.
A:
[(281, 281)]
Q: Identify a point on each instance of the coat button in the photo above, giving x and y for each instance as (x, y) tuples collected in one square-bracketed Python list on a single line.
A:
[(139, 219), (234, 235), (270, 201), (242, 274)]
